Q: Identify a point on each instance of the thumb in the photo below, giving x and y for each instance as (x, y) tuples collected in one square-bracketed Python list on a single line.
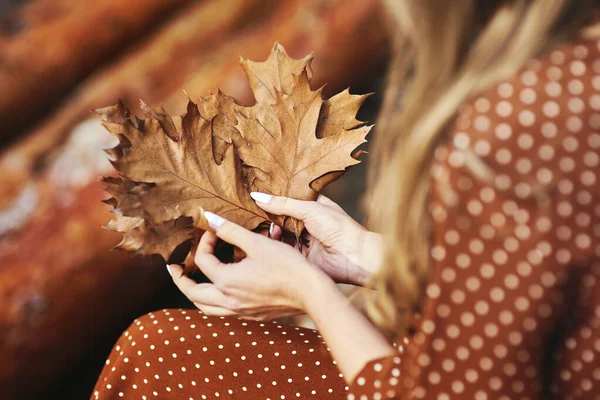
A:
[(281, 205)]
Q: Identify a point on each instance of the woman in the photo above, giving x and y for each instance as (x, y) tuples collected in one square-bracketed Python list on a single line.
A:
[(485, 272)]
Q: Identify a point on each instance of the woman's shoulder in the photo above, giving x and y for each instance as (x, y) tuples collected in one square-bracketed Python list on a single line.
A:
[(541, 125)]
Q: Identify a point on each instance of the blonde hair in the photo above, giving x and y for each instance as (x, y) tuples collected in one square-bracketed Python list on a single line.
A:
[(445, 53)]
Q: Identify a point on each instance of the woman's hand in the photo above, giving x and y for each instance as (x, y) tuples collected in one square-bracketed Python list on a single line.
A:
[(337, 244), (272, 281), (275, 277)]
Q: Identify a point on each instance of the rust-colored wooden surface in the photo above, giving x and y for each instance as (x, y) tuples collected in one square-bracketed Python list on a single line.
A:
[(47, 46), (64, 296)]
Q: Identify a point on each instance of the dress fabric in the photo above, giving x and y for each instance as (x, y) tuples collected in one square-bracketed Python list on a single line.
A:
[(512, 307)]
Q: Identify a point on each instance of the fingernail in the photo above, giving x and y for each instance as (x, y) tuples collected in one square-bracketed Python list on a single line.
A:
[(169, 269), (261, 197), (213, 219), (271, 227)]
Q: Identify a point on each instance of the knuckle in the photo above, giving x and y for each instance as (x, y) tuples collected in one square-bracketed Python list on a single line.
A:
[(284, 202), (252, 241), (226, 228), (198, 257), (235, 232), (223, 285), (205, 262), (310, 209)]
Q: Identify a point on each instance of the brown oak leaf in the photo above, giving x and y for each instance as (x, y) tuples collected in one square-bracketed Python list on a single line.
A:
[(168, 171), (293, 140), (159, 239), (281, 141), (338, 114), (275, 74)]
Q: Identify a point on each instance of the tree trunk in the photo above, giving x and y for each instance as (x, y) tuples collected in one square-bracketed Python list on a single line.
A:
[(48, 46)]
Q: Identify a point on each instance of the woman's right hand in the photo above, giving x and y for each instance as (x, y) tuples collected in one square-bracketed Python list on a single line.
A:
[(337, 244)]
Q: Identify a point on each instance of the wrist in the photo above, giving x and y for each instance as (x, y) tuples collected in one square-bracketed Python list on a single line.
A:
[(371, 254), (314, 290)]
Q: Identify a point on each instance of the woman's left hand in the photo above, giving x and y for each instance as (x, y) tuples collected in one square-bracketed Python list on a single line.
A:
[(272, 281)]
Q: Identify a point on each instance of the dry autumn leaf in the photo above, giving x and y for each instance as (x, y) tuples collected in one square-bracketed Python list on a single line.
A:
[(168, 171), (159, 239), (291, 143), (294, 141)]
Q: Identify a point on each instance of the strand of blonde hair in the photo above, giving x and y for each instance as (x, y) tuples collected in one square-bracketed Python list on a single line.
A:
[(441, 69)]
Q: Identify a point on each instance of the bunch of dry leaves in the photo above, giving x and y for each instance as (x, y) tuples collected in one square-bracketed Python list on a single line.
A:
[(291, 143)]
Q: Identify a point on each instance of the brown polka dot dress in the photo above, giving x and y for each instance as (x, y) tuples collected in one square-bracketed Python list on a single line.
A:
[(512, 309)]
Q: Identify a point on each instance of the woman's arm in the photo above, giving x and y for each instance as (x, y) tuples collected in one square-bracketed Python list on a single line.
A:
[(352, 339)]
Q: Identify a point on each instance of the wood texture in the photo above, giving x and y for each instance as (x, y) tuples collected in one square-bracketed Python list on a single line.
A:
[(64, 301), (48, 46)]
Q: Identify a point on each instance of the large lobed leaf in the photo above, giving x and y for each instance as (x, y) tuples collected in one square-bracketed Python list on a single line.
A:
[(290, 143)]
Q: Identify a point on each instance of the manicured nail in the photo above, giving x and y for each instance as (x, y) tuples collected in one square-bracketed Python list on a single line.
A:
[(261, 197), (213, 219), (169, 269), (271, 227)]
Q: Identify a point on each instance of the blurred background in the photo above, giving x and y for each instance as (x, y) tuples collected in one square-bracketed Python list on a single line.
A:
[(64, 296)]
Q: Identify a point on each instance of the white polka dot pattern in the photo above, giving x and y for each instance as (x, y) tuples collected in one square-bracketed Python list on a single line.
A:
[(184, 354), (512, 309)]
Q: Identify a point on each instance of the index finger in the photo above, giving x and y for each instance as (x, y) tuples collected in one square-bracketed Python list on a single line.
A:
[(206, 261), (281, 205), (207, 242), (234, 233)]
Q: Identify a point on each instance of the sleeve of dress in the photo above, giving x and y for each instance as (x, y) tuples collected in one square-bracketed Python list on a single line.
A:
[(379, 378), (515, 210)]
